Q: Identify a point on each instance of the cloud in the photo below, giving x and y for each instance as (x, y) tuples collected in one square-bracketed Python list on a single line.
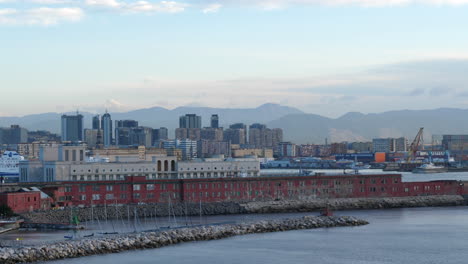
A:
[(103, 3), (213, 8), (162, 7), (139, 6), (111, 105), (49, 2), (40, 16)]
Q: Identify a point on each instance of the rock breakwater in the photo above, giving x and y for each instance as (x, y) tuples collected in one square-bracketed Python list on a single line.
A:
[(86, 247), (288, 206)]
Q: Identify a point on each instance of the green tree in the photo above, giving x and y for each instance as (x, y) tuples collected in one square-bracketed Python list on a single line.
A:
[(6, 211)]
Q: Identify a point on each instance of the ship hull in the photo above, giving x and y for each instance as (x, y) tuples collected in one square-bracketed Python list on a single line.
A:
[(432, 170)]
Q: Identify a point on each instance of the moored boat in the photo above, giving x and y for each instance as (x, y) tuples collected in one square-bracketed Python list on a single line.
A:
[(430, 168)]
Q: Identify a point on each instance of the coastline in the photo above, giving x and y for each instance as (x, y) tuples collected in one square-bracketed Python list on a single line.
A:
[(145, 240)]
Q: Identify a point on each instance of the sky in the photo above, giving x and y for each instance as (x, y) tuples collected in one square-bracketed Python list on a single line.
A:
[(325, 57)]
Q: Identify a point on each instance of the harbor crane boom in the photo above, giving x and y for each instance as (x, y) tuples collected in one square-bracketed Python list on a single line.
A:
[(414, 147)]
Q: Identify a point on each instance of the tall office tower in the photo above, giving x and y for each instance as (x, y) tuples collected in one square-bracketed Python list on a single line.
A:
[(72, 127), (106, 126), (235, 136), (188, 147), (214, 121), (240, 126), (188, 133), (276, 137), (126, 123), (190, 121), (259, 135), (96, 122), (13, 135), (214, 134), (141, 136), (92, 137), (123, 129), (159, 134)]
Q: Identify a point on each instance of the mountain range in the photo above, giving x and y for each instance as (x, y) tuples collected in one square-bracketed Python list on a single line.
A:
[(298, 126)]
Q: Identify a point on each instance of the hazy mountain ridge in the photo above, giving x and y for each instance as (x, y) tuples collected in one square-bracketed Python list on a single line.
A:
[(160, 117), (309, 128), (298, 126)]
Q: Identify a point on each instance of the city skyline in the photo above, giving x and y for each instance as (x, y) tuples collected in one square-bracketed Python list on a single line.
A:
[(323, 57)]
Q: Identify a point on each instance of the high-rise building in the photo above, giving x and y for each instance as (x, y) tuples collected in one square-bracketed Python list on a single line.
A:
[(382, 145), (287, 149), (214, 134), (126, 123), (122, 136), (72, 127), (106, 127), (188, 133), (190, 121), (123, 130), (159, 134), (240, 126), (42, 136), (96, 122), (400, 144), (234, 136), (262, 137), (276, 137), (209, 148), (389, 144), (456, 144), (142, 136), (13, 135), (92, 137), (338, 148), (214, 121), (188, 147), (134, 136)]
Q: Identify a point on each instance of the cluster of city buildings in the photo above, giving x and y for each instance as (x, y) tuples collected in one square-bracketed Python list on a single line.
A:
[(121, 162), (190, 138)]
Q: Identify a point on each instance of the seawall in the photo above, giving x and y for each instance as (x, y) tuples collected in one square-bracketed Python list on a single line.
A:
[(225, 208), (79, 248), (353, 203)]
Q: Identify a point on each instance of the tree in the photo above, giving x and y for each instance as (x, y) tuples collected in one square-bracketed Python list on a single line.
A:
[(6, 211)]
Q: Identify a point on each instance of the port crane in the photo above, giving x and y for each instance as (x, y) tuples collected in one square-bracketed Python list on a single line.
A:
[(415, 145)]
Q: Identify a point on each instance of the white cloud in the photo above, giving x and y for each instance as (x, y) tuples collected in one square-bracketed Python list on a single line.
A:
[(139, 6), (7, 11), (213, 8), (49, 2), (103, 3), (162, 7), (40, 16)]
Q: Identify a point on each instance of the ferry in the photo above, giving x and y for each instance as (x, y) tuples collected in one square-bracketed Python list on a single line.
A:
[(9, 166), (430, 168)]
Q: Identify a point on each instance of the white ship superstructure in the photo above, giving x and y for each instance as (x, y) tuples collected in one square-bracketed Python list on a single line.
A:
[(9, 163)]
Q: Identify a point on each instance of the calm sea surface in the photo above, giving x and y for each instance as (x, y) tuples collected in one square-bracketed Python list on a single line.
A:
[(421, 235)]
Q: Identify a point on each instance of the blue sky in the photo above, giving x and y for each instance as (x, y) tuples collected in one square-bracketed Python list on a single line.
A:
[(324, 57)]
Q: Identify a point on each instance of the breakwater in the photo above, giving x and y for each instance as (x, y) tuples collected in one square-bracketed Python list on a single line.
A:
[(353, 203), (226, 208), (87, 247)]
